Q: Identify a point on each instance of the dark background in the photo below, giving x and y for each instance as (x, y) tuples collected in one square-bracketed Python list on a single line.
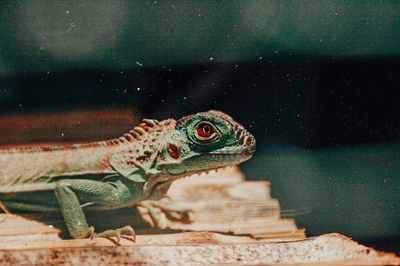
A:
[(316, 82)]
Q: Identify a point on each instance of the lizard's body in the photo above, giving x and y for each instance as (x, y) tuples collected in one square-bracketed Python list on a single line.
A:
[(119, 172), (31, 172), (49, 162)]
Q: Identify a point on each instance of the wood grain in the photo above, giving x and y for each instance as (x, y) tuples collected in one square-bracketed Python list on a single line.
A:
[(196, 249)]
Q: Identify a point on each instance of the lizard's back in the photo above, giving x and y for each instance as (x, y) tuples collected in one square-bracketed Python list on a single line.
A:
[(24, 165)]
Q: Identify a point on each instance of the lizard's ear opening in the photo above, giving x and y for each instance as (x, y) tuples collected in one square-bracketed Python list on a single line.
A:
[(173, 151)]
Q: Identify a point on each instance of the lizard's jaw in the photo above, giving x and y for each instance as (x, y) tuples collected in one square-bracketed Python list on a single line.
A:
[(208, 161), (197, 164)]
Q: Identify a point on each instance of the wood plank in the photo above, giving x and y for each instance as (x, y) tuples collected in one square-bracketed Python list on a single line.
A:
[(244, 212), (332, 249)]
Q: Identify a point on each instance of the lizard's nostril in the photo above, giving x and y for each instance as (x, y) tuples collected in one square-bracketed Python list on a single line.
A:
[(249, 140)]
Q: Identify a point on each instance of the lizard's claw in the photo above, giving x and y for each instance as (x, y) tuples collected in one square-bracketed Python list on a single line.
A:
[(91, 232), (117, 233), (161, 209)]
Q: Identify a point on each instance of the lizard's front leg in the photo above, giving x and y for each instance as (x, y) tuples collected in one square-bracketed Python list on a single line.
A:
[(69, 192)]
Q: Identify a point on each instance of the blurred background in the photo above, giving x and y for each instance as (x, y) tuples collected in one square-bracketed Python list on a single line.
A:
[(317, 82)]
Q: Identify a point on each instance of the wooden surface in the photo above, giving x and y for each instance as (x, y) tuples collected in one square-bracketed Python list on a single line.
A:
[(244, 220), (195, 249)]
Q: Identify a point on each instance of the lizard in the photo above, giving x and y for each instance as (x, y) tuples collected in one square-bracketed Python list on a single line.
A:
[(134, 169)]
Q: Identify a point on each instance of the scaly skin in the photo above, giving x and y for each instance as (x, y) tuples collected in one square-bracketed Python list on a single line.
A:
[(137, 168)]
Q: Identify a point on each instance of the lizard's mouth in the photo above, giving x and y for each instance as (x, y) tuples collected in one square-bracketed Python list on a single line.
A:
[(236, 157), (208, 161), (243, 154)]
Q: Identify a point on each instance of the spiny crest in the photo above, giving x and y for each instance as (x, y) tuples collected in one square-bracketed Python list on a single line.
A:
[(141, 129), (146, 129)]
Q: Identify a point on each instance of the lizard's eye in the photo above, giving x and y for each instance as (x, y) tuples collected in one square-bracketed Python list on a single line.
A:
[(205, 131)]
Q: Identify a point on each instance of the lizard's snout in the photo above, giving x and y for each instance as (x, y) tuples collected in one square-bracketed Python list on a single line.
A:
[(247, 141), (250, 142)]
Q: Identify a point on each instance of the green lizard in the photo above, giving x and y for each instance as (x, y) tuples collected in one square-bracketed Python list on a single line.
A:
[(137, 168)]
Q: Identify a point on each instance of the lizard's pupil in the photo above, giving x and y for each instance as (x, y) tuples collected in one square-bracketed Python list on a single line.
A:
[(204, 130)]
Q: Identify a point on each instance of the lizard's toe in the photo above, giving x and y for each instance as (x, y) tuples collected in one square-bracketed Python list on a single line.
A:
[(128, 231), (117, 233), (91, 232)]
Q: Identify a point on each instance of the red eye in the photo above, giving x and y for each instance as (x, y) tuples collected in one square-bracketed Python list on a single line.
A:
[(205, 130)]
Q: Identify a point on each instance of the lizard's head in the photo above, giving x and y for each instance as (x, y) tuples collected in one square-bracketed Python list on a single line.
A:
[(206, 141)]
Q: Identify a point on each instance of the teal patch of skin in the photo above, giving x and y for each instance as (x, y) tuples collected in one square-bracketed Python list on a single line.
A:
[(227, 146)]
